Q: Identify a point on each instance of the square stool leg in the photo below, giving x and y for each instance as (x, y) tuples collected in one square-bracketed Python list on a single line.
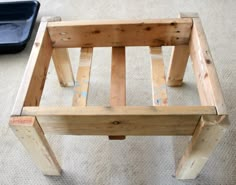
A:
[(29, 132), (205, 138)]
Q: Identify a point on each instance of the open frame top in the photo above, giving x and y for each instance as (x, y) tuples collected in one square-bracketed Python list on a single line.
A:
[(185, 33)]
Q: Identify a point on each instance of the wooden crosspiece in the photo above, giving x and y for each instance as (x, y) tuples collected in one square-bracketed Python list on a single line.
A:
[(205, 123)]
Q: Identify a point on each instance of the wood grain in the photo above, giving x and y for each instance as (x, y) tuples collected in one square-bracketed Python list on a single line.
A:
[(207, 79), (63, 67), (83, 77), (160, 120), (118, 78), (205, 138), (29, 132), (159, 94), (178, 63), (209, 129), (159, 32), (32, 84), (118, 81)]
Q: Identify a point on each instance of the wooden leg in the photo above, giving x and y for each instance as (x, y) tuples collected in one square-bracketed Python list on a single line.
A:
[(205, 138), (118, 87), (63, 66), (178, 63), (29, 132)]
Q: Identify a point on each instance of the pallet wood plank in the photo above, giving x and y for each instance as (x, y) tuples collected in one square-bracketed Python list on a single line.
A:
[(83, 77), (210, 129), (158, 32), (120, 120), (29, 132), (32, 84), (120, 110), (119, 125), (205, 138), (159, 94), (118, 81), (63, 67), (207, 79)]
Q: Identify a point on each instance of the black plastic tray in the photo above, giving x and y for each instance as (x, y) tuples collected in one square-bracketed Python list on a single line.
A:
[(17, 20)]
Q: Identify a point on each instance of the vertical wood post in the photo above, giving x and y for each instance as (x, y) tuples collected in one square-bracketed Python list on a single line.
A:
[(61, 61), (63, 67), (205, 138), (178, 63), (209, 129), (29, 132)]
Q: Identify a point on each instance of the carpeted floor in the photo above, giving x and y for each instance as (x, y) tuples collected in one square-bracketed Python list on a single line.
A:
[(136, 160)]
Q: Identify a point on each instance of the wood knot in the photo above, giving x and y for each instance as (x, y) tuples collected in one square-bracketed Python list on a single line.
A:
[(96, 32), (148, 28), (173, 24), (208, 61), (116, 122)]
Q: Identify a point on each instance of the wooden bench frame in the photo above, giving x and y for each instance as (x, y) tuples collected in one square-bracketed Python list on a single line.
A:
[(206, 123)]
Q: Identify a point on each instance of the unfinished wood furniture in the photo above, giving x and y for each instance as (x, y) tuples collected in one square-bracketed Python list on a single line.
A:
[(206, 123)]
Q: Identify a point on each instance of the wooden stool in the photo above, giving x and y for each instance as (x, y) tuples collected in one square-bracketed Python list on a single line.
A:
[(206, 123)]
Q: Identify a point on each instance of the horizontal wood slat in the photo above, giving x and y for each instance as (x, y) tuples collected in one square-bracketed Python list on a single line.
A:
[(113, 121), (159, 94), (158, 32), (83, 77), (120, 110), (207, 79), (118, 81)]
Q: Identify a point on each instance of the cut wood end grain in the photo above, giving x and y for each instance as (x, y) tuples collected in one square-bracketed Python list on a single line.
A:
[(22, 120)]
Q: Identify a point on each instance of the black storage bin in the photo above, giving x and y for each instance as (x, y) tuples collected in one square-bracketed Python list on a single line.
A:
[(17, 20)]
